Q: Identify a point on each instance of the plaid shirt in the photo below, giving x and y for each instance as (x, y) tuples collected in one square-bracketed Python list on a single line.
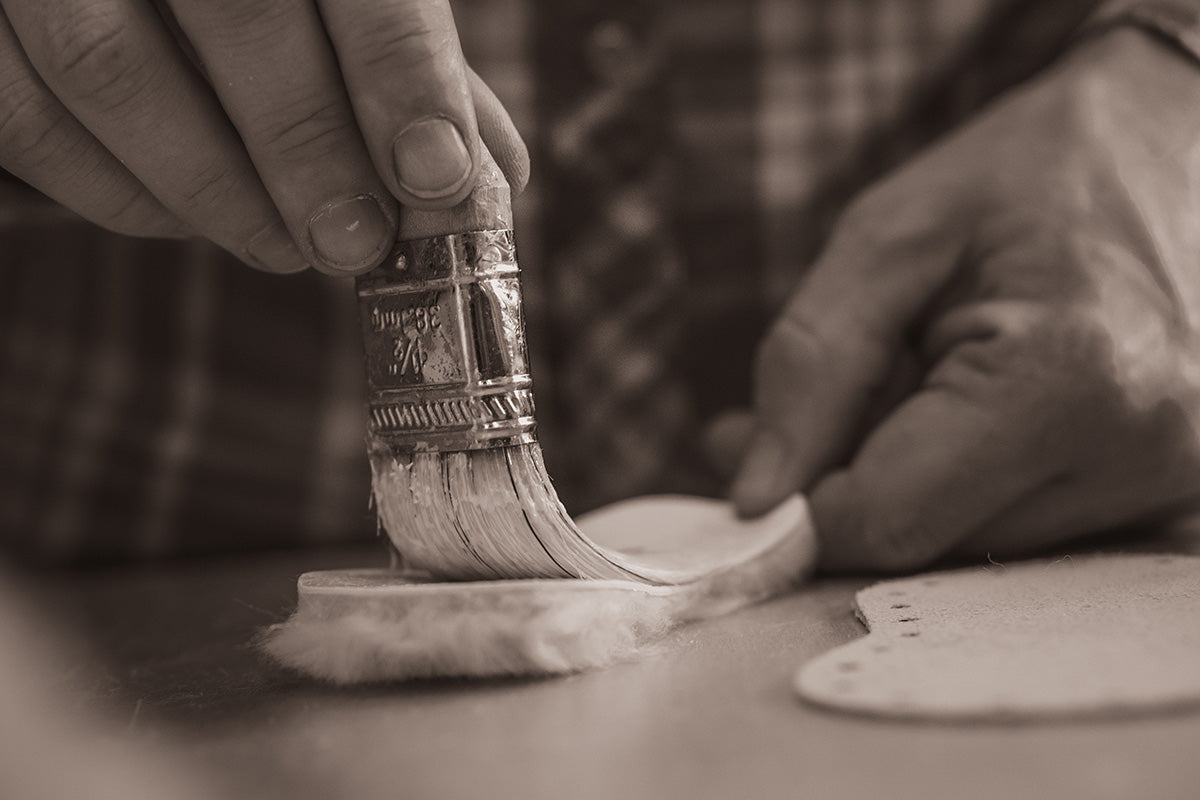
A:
[(157, 398)]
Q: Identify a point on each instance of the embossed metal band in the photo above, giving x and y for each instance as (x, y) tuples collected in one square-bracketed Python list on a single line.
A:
[(445, 343)]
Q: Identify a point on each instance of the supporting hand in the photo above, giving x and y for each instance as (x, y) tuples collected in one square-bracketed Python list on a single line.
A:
[(999, 348)]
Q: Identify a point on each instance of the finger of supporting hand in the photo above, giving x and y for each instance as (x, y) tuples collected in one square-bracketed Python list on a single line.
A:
[(116, 68), (832, 349), (941, 466), (404, 69), (725, 440), (271, 64), (43, 145)]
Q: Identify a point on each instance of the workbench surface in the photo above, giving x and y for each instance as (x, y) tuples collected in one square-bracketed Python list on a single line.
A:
[(711, 716)]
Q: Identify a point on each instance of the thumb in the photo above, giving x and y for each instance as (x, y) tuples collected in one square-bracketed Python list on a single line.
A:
[(830, 353)]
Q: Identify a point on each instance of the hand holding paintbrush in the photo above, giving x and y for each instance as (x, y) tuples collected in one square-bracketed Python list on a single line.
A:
[(463, 494)]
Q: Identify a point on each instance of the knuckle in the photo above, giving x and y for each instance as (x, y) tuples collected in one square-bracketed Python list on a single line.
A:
[(30, 124), (792, 347), (886, 226), (1071, 341), (404, 36), (132, 212), (1076, 324), (298, 133), (238, 16), (829, 335), (237, 24), (219, 202), (210, 191), (94, 54), (1041, 344)]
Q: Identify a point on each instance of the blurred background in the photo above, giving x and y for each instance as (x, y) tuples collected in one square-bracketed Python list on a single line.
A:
[(689, 156)]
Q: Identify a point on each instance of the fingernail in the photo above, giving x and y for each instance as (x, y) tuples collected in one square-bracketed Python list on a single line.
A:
[(349, 235), (760, 486), (273, 250), (432, 159)]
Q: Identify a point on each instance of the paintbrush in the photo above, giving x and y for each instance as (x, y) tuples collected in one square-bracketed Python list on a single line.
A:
[(462, 492)]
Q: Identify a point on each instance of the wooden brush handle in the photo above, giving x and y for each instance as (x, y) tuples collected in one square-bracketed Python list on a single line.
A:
[(488, 207)]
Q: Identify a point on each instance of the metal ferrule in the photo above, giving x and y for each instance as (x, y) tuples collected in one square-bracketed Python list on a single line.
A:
[(444, 333)]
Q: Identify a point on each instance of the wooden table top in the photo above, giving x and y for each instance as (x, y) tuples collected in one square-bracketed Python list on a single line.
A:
[(710, 716)]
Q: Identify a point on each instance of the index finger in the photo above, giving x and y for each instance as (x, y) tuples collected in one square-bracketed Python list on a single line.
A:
[(404, 69), (834, 347)]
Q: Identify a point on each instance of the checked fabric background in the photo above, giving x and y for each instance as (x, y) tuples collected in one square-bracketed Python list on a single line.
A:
[(158, 398)]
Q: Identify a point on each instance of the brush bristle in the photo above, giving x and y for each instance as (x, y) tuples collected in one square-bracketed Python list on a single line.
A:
[(491, 520), (482, 515), (356, 626)]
